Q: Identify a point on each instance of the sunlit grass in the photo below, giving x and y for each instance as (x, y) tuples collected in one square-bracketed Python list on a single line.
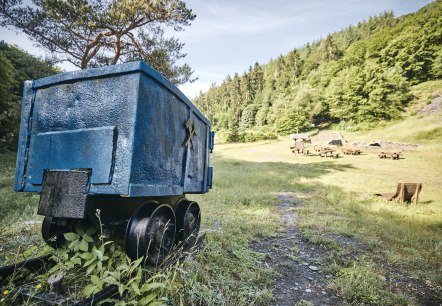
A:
[(345, 201), (366, 173)]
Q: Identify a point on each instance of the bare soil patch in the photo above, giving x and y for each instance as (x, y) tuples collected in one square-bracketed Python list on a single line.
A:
[(297, 261)]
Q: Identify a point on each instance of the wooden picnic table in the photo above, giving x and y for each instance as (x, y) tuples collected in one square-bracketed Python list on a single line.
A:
[(351, 151), (328, 153), (304, 151), (299, 148), (392, 155), (320, 148)]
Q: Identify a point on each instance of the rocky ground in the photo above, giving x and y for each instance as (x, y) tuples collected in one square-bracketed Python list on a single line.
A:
[(297, 261), (433, 107), (301, 265)]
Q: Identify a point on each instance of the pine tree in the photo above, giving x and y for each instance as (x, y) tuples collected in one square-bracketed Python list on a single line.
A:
[(104, 32), (294, 66), (331, 51)]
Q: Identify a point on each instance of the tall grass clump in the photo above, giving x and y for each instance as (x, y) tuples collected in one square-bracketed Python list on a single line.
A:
[(360, 284)]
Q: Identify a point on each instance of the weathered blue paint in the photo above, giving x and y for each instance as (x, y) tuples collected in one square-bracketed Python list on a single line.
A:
[(125, 123), (52, 145)]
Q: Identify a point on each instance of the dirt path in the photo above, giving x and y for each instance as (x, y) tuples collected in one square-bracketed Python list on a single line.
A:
[(297, 261), (300, 264)]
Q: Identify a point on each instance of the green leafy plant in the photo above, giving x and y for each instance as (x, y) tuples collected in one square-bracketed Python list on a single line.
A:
[(104, 263), (133, 285), (304, 303)]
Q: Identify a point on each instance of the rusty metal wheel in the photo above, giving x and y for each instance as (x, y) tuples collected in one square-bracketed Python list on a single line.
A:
[(188, 220), (150, 233)]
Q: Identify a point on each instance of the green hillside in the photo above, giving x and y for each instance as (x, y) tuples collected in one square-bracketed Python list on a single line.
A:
[(356, 77)]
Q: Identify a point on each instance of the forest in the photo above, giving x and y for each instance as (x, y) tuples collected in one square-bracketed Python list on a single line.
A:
[(16, 66), (353, 78)]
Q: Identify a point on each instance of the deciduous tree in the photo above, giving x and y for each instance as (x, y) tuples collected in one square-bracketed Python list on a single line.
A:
[(8, 108)]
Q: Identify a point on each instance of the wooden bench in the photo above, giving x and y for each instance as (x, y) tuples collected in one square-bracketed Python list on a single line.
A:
[(382, 155), (323, 153), (334, 155), (394, 155), (405, 192)]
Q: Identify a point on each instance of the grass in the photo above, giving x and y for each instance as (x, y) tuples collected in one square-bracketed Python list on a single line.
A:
[(361, 284), (423, 94), (304, 303), (344, 202), (317, 239), (18, 214), (337, 197)]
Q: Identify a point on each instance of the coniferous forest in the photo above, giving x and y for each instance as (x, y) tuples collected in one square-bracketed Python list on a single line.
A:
[(355, 78)]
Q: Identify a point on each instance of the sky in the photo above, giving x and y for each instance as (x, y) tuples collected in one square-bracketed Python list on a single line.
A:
[(228, 36)]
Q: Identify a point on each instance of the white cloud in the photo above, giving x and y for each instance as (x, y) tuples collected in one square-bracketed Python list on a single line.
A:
[(191, 90), (218, 18)]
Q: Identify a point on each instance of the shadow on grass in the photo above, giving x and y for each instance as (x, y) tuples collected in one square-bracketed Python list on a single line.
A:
[(308, 170), (424, 202)]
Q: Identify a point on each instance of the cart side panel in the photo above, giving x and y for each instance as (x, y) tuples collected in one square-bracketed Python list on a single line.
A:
[(159, 151), (84, 123), (196, 177), (171, 144)]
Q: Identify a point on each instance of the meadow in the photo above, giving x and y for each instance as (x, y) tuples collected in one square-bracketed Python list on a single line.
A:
[(336, 199)]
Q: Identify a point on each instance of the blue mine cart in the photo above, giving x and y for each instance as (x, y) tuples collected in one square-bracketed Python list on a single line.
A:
[(122, 140)]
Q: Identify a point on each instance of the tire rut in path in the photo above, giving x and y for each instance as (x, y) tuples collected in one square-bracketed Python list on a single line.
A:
[(297, 261)]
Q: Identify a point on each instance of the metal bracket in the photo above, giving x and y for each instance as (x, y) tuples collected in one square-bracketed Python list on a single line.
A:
[(191, 129)]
